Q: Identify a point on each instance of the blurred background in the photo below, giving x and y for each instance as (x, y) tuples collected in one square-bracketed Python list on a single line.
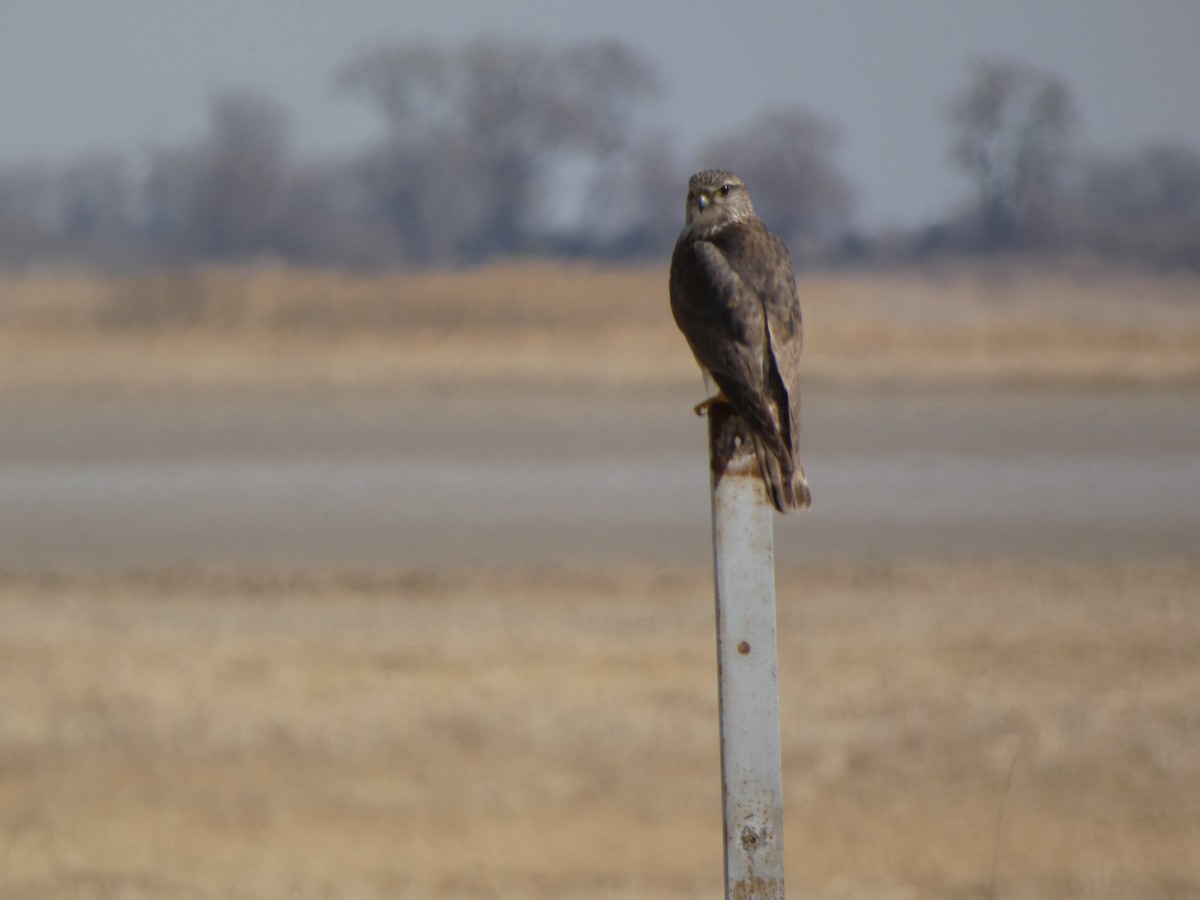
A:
[(372, 134), (354, 528)]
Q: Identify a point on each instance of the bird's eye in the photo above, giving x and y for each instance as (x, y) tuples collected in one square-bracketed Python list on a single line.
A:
[(726, 188)]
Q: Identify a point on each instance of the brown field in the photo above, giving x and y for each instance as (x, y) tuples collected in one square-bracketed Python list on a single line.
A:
[(973, 730), (582, 326), (985, 723)]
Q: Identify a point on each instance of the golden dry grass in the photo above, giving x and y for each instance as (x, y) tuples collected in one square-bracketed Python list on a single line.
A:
[(543, 733), (553, 733), (583, 325)]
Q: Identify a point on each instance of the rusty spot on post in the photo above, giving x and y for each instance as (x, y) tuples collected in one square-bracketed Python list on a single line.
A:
[(743, 648), (756, 888)]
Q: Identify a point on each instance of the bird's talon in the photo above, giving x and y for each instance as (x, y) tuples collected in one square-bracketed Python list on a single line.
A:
[(704, 405)]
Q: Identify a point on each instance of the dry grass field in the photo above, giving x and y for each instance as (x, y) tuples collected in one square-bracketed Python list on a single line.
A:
[(583, 326), (976, 727), (974, 730)]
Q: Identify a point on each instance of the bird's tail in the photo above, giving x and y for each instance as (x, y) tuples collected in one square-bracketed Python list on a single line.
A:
[(784, 479)]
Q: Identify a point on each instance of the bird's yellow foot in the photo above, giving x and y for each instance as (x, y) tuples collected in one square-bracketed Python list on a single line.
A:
[(702, 407)]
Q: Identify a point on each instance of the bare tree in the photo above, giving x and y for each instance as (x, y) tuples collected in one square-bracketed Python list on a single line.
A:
[(1145, 204), (1012, 134), (27, 212), (218, 198), (472, 133), (95, 196), (82, 209), (1159, 181), (786, 158)]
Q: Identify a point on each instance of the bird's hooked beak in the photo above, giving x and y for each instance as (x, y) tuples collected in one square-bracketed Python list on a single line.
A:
[(704, 201)]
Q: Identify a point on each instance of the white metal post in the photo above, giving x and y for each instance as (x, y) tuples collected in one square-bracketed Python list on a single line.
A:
[(744, 573)]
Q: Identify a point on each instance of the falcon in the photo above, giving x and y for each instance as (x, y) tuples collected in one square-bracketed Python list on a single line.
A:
[(733, 295)]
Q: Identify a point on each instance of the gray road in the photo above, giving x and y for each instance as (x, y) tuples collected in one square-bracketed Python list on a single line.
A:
[(503, 477)]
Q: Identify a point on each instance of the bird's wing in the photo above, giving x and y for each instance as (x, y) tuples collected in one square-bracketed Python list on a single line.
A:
[(726, 325), (762, 264), (785, 328)]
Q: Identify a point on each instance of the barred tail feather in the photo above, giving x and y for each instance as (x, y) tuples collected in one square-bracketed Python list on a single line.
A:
[(786, 485)]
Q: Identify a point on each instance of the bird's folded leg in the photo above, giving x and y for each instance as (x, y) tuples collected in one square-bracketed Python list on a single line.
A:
[(702, 407)]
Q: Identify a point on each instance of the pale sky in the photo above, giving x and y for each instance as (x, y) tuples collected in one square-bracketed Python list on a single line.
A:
[(128, 75)]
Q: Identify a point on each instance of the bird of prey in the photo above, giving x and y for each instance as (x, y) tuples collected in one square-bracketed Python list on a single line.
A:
[(733, 295)]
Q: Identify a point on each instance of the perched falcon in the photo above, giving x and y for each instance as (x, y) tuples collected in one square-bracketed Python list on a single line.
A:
[(734, 298)]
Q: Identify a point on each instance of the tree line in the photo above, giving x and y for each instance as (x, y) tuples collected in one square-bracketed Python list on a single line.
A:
[(491, 148)]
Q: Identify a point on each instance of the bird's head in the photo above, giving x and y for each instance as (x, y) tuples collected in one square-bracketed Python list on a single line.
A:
[(716, 198)]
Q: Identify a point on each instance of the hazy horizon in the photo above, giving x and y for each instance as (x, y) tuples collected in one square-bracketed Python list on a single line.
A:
[(131, 75)]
